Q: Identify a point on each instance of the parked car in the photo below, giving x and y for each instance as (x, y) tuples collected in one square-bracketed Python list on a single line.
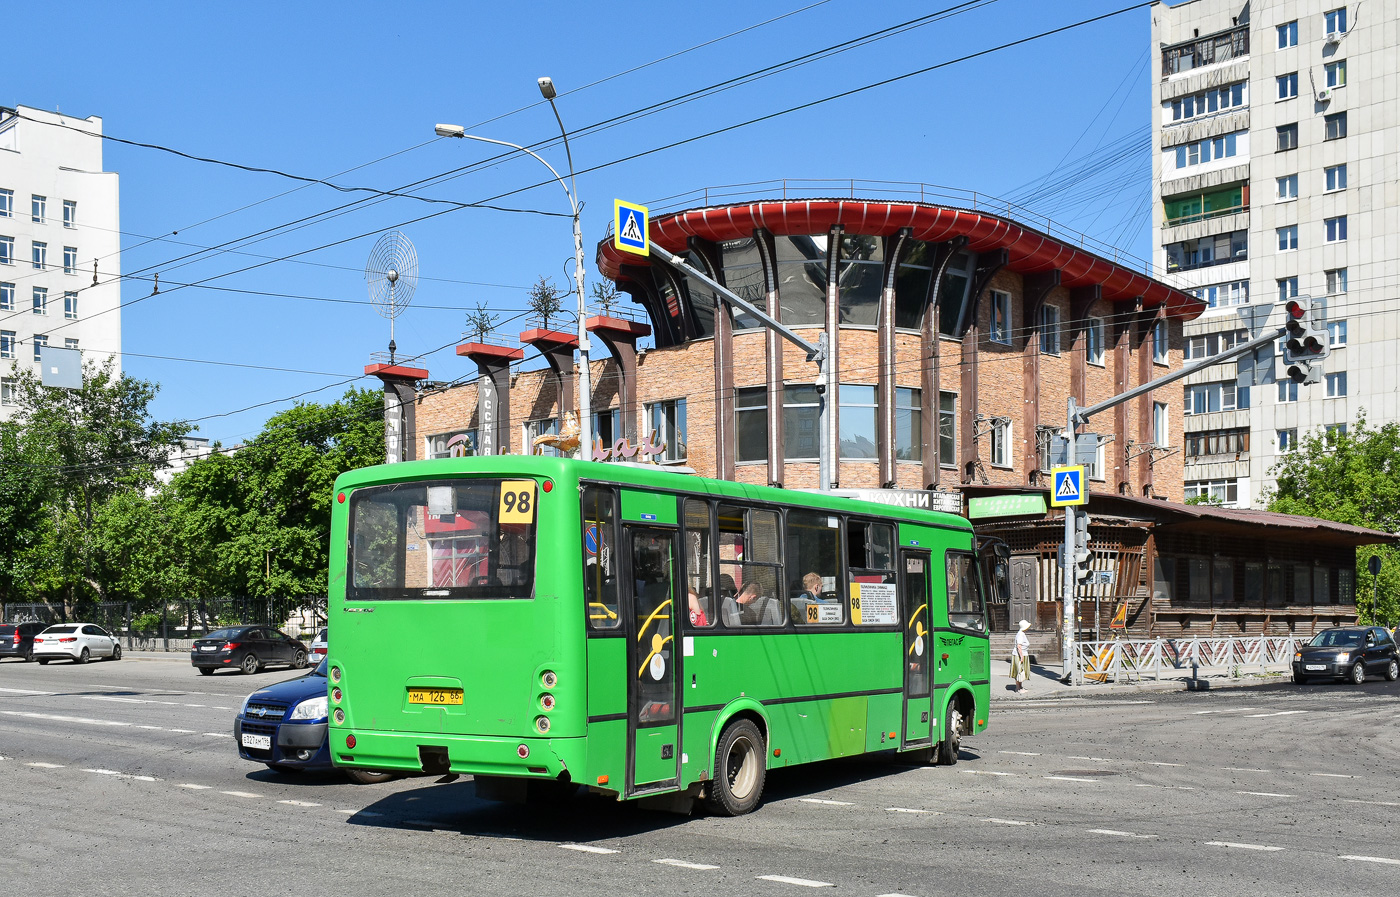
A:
[(17, 639), (319, 646), (78, 642), (284, 726), (1348, 652), (246, 648)]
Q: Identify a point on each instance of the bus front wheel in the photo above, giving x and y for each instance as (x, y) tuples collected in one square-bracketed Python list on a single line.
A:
[(952, 737), (739, 770)]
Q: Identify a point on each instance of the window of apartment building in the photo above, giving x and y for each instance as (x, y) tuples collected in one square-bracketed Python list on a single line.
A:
[(39, 255), (38, 208), (1049, 330), (1287, 136), (1287, 391), (1208, 150), (1201, 206), (1160, 348), (1000, 330), (1287, 86), (1001, 442), (1217, 250), (1286, 440), (7, 203), (458, 444), (1287, 237), (1093, 341), (1217, 442), (751, 424), (1335, 126), (70, 213), (1209, 344), (8, 394), (1206, 398), (908, 424), (40, 341), (1095, 467), (1336, 228), (667, 423), (801, 414), (7, 344), (1160, 421), (1224, 492), (7, 250), (1336, 384), (1046, 440), (1210, 101), (7, 297), (1336, 177), (1336, 73), (607, 426), (534, 428), (948, 429), (1288, 35), (70, 260), (70, 342), (41, 300), (1221, 47), (70, 306), (1224, 294), (1287, 187), (1287, 288), (1336, 281), (857, 423), (1336, 333), (1338, 429), (1336, 20)]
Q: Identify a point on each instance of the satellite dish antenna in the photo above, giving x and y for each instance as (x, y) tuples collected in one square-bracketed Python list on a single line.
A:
[(392, 275)]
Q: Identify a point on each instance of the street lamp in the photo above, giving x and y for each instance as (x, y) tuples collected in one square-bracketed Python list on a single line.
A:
[(585, 389)]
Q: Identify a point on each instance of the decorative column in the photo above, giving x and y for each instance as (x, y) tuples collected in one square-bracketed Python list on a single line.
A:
[(492, 394), (400, 394), (558, 349), (885, 384), (620, 336)]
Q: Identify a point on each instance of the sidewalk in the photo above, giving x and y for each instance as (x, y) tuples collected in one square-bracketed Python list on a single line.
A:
[(1045, 683)]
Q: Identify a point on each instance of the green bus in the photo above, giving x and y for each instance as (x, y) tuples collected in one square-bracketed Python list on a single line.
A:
[(544, 622)]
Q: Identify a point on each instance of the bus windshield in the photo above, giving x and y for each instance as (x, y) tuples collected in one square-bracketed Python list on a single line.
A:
[(442, 539)]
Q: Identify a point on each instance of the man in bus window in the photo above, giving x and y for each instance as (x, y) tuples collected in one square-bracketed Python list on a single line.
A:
[(812, 589), (750, 609)]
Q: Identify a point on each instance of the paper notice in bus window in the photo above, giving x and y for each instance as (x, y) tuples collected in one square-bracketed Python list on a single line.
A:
[(872, 603), (517, 502)]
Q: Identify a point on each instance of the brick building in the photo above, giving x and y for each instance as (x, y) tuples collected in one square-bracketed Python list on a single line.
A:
[(957, 336)]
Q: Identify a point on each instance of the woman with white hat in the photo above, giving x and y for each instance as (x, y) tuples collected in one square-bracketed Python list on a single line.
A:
[(1021, 658)]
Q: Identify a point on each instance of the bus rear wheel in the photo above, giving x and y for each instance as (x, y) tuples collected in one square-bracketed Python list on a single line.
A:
[(952, 737), (739, 770)]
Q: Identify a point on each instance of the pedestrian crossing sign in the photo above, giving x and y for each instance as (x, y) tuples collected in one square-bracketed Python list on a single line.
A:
[(630, 228), (1067, 486)]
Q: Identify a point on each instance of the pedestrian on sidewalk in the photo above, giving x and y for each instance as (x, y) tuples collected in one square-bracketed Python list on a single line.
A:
[(1021, 658)]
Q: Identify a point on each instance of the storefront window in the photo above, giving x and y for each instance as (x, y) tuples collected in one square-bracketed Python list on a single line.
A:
[(858, 423), (802, 280), (862, 265), (743, 274), (911, 281)]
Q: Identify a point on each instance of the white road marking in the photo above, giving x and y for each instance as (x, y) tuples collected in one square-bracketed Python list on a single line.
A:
[(220, 708), (46, 765), (986, 772), (193, 787), (1276, 713), (1020, 753), (1072, 779), (153, 728), (1160, 763), (895, 894), (789, 880), (684, 865), (240, 794), (298, 803), (193, 705), (993, 819), (1244, 769), (1387, 860), (1264, 794), (181, 731), (1331, 775), (1239, 846), (587, 848), (121, 775), (64, 719), (911, 810), (826, 803), (1109, 831), (1379, 803), (26, 691), (116, 699), (218, 734)]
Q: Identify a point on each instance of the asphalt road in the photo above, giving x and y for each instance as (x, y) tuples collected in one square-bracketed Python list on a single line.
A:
[(122, 778)]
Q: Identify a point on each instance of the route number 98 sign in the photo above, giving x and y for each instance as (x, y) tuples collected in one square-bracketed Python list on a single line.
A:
[(517, 502)]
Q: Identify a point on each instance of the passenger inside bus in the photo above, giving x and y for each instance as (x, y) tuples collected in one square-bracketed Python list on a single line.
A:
[(697, 609)]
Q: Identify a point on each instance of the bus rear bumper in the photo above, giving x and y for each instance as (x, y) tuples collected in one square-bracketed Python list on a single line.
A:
[(539, 758)]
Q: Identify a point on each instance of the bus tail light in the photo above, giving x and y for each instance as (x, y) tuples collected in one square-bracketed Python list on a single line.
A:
[(523, 752), (335, 695), (547, 701), (548, 486), (350, 742), (542, 724)]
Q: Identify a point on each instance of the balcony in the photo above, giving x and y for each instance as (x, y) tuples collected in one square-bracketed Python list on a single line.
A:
[(1220, 47)]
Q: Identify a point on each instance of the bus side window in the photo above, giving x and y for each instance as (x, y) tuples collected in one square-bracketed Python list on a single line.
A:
[(748, 551), (813, 559), (701, 600), (965, 604), (870, 573), (600, 557)]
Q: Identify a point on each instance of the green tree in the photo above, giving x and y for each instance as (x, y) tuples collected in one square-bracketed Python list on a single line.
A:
[(1350, 477), (545, 300)]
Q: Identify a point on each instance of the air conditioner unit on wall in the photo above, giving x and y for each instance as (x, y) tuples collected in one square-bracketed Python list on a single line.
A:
[(1324, 95), (1333, 39)]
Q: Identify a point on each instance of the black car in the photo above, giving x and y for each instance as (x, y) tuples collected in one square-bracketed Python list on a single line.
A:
[(1348, 652), (246, 648), (17, 639)]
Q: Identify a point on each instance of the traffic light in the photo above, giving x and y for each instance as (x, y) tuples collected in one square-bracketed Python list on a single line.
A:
[(1304, 344), (1081, 555)]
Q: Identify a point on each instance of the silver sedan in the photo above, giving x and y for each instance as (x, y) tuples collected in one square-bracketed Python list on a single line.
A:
[(78, 642)]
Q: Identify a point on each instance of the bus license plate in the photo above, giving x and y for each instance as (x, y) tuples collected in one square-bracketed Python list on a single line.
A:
[(258, 742), (434, 696)]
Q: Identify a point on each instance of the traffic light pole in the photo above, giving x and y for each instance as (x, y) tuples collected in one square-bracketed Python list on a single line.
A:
[(1078, 416)]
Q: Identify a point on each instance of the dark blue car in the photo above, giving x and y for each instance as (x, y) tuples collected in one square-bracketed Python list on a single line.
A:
[(284, 726)]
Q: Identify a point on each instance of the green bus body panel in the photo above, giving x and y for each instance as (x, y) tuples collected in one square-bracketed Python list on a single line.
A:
[(817, 694)]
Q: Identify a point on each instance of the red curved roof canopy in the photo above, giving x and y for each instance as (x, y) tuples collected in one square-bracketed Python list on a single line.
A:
[(1028, 250)]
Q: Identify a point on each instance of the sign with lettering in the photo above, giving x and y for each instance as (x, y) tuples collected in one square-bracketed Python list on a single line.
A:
[(923, 499)]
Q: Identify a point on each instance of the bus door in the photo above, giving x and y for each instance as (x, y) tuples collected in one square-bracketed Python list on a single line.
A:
[(649, 605), (914, 567)]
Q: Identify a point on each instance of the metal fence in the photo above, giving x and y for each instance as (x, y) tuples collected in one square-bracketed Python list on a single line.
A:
[(175, 625), (111, 615), (1128, 660)]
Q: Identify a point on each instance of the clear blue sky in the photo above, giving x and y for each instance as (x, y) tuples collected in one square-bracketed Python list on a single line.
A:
[(350, 92)]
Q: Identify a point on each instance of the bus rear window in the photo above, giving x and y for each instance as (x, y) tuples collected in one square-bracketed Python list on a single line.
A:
[(464, 538)]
